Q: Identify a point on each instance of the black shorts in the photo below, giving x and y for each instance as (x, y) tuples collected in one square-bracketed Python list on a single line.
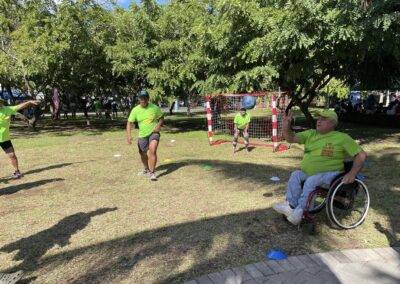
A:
[(7, 146), (144, 142)]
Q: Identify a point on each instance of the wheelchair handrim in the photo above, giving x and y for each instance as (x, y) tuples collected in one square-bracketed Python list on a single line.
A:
[(331, 205)]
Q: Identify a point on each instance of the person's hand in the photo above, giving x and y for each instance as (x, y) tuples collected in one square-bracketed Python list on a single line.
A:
[(35, 102), (130, 139), (287, 119), (348, 178)]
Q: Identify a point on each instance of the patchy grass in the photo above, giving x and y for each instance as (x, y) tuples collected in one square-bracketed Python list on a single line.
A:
[(81, 215)]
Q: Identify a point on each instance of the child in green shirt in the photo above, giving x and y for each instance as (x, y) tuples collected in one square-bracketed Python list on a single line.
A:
[(242, 121)]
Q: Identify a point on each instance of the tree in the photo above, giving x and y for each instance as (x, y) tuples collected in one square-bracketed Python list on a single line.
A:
[(379, 67), (132, 51), (179, 59)]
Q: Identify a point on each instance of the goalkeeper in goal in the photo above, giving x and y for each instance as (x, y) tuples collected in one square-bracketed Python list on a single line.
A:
[(241, 122)]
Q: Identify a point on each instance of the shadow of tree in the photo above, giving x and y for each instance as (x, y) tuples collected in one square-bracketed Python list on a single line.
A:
[(30, 249), (26, 186), (208, 244), (247, 235), (68, 127), (229, 169), (383, 171)]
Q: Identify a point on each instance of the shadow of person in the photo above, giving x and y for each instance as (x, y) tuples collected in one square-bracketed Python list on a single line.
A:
[(38, 170), (249, 149), (32, 248), (26, 186), (169, 168)]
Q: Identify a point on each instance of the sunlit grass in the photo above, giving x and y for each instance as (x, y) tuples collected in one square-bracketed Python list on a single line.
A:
[(190, 222)]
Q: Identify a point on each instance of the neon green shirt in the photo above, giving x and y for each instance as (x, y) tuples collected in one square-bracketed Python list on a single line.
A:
[(147, 118), (325, 153), (5, 119), (241, 121)]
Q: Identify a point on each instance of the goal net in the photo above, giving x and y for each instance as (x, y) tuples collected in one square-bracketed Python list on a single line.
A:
[(266, 111)]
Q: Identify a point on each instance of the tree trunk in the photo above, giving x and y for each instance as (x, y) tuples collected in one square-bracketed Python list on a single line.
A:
[(37, 113), (188, 113), (9, 91), (307, 114), (172, 108)]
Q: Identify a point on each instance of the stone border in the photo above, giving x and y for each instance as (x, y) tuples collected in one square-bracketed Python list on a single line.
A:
[(309, 268)]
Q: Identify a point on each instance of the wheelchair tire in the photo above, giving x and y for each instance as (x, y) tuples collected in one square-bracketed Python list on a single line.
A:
[(348, 205)]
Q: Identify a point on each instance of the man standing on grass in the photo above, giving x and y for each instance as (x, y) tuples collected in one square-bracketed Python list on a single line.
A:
[(242, 121), (150, 119), (324, 152), (5, 142)]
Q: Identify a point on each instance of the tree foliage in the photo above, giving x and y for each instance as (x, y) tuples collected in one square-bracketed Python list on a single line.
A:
[(196, 47)]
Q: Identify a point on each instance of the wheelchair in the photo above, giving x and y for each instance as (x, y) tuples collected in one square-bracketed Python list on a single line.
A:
[(346, 205)]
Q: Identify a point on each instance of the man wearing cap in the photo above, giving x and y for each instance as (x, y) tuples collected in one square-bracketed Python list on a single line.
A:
[(241, 122), (150, 119), (324, 153), (5, 120)]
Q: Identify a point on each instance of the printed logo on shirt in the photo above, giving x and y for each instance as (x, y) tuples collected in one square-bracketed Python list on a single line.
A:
[(327, 150), (150, 119)]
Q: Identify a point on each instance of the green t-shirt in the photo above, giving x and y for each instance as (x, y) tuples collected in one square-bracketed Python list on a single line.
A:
[(5, 119), (325, 153), (146, 117), (241, 121)]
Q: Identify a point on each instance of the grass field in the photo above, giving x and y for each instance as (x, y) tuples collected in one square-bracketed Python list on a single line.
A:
[(81, 215)]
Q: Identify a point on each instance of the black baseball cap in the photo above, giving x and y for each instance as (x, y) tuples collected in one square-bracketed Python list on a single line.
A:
[(243, 109), (143, 93)]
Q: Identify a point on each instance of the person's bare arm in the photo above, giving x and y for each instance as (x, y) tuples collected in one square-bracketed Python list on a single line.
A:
[(358, 163), (128, 132), (288, 134), (26, 104), (159, 124)]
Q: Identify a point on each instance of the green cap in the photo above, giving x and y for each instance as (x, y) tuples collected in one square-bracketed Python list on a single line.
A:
[(143, 93), (328, 114)]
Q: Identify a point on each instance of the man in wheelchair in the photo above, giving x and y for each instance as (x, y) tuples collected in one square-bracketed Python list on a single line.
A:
[(324, 153)]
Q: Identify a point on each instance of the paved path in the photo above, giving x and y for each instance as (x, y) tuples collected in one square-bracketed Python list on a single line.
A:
[(380, 265)]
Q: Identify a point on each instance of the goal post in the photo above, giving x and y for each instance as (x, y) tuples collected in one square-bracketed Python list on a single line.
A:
[(266, 111)]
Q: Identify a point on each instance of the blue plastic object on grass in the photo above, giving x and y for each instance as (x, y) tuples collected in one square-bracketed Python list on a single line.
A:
[(276, 255), (361, 177)]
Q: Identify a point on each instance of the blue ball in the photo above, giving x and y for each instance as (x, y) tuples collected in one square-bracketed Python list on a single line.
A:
[(248, 102)]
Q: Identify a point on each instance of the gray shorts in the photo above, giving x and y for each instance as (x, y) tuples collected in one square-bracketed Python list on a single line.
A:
[(144, 142)]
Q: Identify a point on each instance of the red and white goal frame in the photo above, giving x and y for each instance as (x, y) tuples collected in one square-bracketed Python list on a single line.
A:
[(265, 128)]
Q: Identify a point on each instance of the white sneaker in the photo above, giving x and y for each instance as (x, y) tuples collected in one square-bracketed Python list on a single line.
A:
[(296, 216), (283, 208), (153, 177), (144, 172)]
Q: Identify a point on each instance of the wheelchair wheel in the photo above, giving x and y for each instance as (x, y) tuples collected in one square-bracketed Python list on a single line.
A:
[(348, 204), (317, 203)]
